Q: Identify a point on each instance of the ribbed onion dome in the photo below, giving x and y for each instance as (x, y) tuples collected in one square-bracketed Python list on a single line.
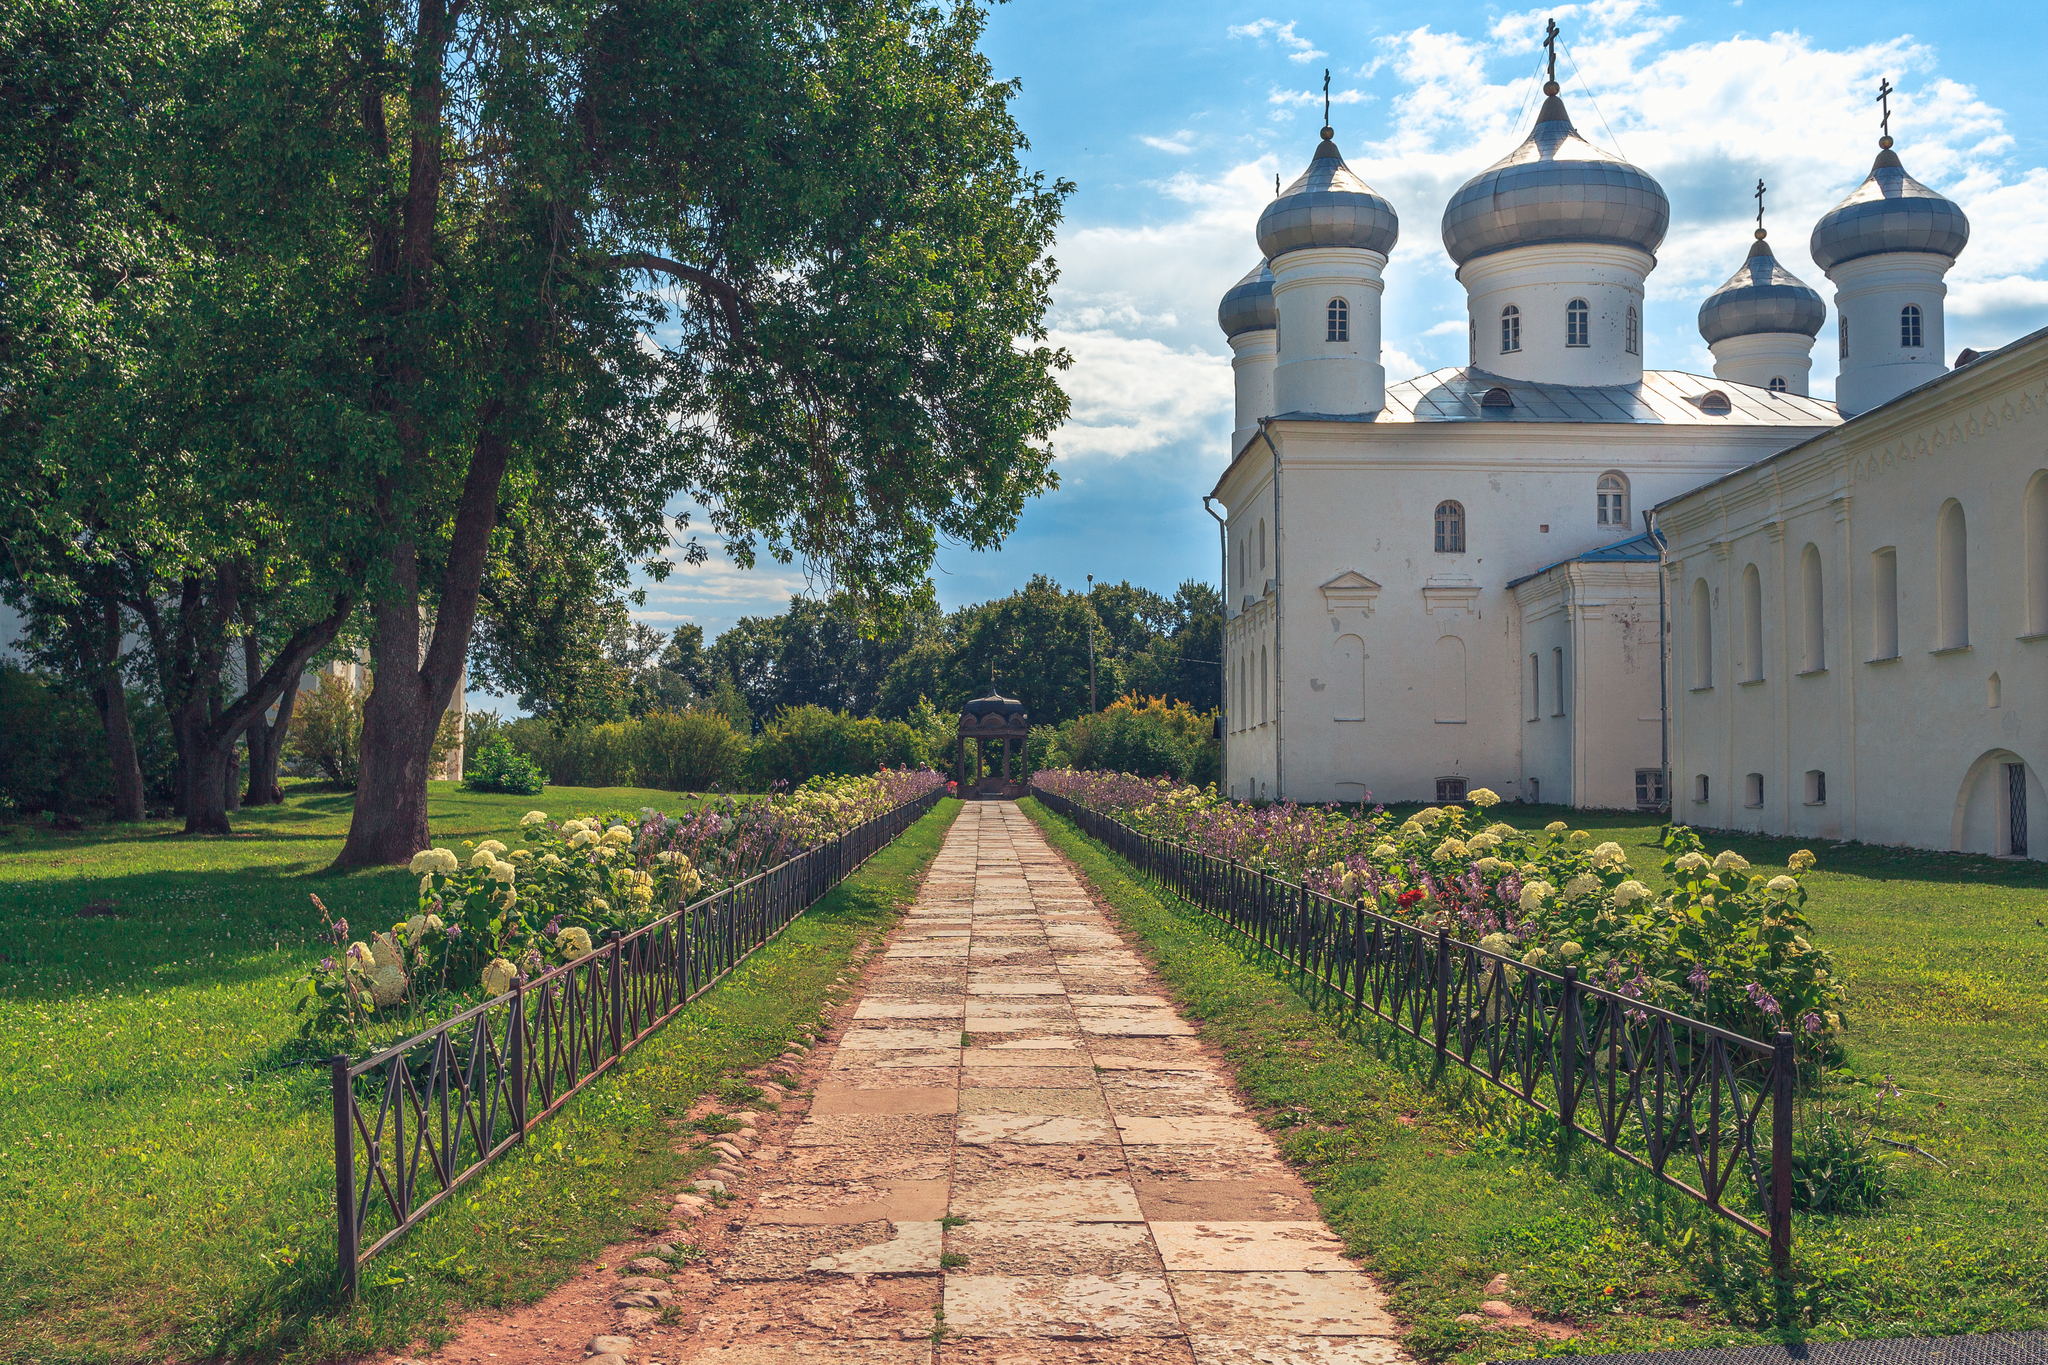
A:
[(1328, 206), (1763, 296), (1248, 305), (1890, 211), (1555, 187)]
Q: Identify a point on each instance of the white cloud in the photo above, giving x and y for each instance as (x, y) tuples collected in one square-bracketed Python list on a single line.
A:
[(1287, 99), (1180, 144), (1301, 49), (1131, 395)]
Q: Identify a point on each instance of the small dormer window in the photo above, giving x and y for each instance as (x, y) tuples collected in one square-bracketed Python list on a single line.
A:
[(1632, 336), (1716, 402), (1340, 320), (1578, 326), (1496, 398), (1510, 329), (1909, 327), (1778, 384)]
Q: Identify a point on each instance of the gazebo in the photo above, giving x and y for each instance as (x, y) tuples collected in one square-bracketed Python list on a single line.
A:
[(992, 717)]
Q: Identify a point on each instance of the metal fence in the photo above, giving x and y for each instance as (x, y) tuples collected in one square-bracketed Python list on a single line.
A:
[(419, 1119), (1704, 1110)]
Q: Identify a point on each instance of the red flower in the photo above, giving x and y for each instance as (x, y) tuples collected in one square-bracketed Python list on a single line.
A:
[(1408, 897)]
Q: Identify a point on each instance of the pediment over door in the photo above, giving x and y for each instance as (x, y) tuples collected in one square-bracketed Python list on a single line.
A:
[(1350, 589)]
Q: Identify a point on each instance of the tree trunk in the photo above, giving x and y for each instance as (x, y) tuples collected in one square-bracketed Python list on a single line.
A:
[(111, 694), (266, 746), (205, 782)]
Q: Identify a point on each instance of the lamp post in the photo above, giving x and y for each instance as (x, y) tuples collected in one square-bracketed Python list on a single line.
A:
[(1091, 644)]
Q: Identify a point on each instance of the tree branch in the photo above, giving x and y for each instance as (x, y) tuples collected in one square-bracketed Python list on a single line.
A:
[(728, 298)]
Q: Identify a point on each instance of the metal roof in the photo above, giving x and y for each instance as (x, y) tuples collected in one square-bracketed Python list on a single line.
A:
[(1663, 398), (1328, 205), (1641, 549), (1889, 211)]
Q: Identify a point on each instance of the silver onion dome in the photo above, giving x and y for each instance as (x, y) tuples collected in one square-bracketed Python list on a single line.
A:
[(1762, 296), (1328, 205), (1555, 187), (1890, 211), (1248, 305)]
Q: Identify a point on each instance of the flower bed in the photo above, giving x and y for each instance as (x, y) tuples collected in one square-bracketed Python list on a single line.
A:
[(490, 912), (1726, 943)]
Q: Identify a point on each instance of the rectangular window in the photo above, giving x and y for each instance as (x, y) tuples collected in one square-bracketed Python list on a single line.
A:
[(1816, 787), (1753, 791), (1557, 660), (1449, 789), (1535, 791), (1649, 789), (1700, 788)]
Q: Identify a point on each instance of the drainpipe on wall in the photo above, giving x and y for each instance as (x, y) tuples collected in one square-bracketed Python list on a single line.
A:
[(1663, 667), (1279, 597), (1223, 643)]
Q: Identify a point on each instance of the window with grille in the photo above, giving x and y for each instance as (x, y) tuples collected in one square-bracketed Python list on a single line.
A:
[(1472, 356), (1510, 329), (1633, 336), (1577, 323), (1842, 337), (1340, 320), (1909, 327), (1649, 789), (1450, 529), (1778, 384), (1612, 497), (1449, 789)]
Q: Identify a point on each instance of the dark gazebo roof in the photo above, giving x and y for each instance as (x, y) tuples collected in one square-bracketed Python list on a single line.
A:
[(994, 714)]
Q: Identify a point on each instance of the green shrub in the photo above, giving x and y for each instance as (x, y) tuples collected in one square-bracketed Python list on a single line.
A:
[(53, 746), (502, 768), (803, 742), (1146, 738), (687, 751)]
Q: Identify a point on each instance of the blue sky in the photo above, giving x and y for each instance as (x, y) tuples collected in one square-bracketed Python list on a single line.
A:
[(1172, 120)]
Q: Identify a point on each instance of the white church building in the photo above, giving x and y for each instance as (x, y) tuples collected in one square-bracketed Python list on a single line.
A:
[(1569, 578)]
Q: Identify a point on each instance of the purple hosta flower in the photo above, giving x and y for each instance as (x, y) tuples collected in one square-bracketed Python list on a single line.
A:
[(1698, 979), (554, 928), (339, 929), (454, 932), (1889, 1089), (1810, 1022), (1762, 998), (328, 964), (1511, 889)]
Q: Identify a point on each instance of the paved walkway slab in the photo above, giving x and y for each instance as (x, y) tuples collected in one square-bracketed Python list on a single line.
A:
[(1017, 1151)]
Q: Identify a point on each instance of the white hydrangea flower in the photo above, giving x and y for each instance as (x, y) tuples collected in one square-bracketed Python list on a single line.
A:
[(1481, 842), (1385, 848), (1496, 942), (1483, 797), (533, 817), (498, 974), (1781, 887), (491, 846), (583, 838), (1570, 949), (502, 871), (1585, 884), (1555, 827), (1691, 862), (1449, 848), (1533, 894), (1729, 859), (1628, 893), (1609, 855), (618, 834), (574, 943)]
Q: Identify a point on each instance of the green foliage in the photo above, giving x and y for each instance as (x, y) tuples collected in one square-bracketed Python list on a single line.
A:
[(327, 730), (53, 749), (808, 741), (1147, 738), (693, 750), (501, 768), (1837, 1167)]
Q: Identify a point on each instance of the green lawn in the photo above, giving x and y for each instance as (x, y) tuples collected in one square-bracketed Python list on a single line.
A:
[(1442, 1185), (165, 1180)]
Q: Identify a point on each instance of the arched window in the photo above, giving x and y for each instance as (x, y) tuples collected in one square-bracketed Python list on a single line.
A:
[(1613, 499), (1884, 603), (1702, 635), (1510, 329), (1262, 544), (1450, 528), (1578, 326), (1909, 327), (1340, 320), (1752, 625), (1632, 337), (1813, 617), (1778, 384), (2037, 554), (1952, 577)]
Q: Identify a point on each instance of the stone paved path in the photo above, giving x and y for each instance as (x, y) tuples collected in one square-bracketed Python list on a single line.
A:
[(1010, 1068)]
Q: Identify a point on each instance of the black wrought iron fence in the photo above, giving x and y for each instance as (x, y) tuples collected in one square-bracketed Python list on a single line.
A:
[(419, 1119), (1704, 1110)]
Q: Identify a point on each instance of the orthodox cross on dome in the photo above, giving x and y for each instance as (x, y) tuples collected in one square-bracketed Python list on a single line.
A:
[(1759, 206), (1550, 46), (1326, 98), (1885, 88)]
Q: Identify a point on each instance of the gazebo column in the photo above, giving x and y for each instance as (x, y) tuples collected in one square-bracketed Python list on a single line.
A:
[(1006, 760)]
